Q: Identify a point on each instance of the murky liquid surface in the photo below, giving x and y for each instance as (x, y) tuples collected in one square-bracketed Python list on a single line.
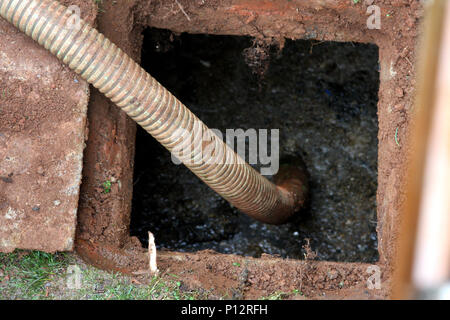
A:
[(323, 99)]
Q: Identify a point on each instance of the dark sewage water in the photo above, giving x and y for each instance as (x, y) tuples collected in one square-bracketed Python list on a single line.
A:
[(322, 96)]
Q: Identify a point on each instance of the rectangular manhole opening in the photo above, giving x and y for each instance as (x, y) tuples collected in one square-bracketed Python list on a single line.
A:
[(322, 96)]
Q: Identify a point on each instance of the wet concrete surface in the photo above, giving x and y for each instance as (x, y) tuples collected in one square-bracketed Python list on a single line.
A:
[(322, 96)]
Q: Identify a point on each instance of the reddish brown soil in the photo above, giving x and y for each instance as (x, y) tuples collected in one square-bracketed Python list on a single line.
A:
[(109, 156), (103, 220), (240, 277), (42, 125)]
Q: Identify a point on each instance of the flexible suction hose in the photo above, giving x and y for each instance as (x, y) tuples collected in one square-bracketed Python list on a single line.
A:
[(110, 70)]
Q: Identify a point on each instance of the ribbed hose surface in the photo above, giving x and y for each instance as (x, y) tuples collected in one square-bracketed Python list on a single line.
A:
[(110, 70)]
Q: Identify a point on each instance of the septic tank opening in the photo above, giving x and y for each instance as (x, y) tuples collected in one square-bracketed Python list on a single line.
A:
[(322, 96)]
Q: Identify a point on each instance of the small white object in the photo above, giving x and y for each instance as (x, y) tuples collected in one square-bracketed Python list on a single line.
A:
[(152, 253)]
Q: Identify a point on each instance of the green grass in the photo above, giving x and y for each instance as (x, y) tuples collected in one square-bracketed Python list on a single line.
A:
[(28, 274), (33, 275), (37, 275), (396, 137), (106, 186), (99, 4), (280, 295)]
